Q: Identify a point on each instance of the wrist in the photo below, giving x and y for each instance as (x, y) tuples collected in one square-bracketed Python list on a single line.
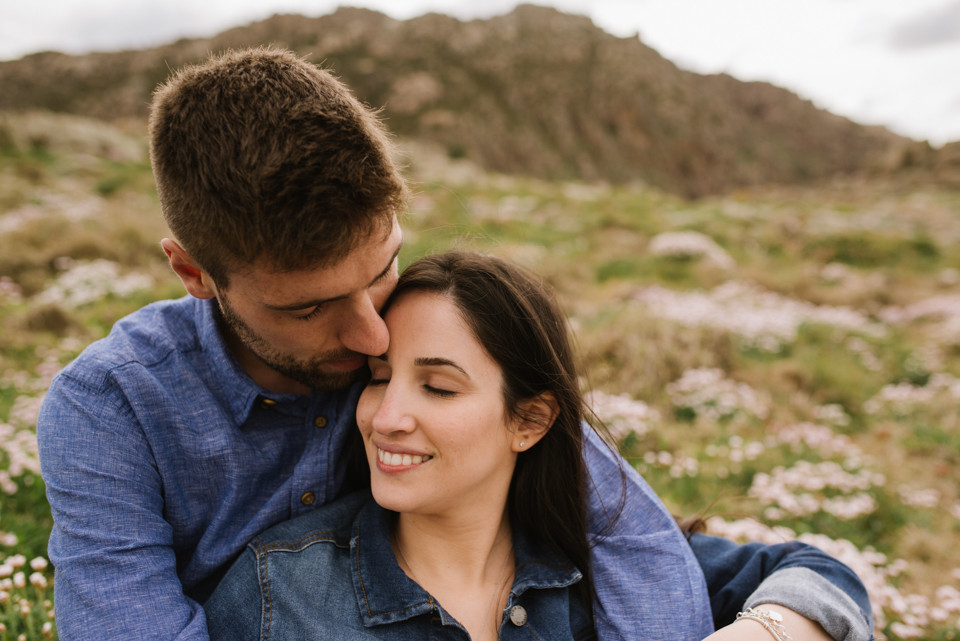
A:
[(771, 620), (797, 625)]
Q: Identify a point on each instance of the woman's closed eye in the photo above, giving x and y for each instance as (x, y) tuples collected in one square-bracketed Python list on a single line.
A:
[(439, 391)]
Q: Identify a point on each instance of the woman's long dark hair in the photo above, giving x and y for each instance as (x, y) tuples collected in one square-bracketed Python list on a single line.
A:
[(513, 316)]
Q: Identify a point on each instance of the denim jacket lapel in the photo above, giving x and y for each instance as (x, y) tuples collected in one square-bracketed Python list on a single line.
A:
[(386, 594), (540, 567)]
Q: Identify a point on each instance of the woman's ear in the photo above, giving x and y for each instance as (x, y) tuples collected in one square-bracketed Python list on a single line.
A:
[(196, 281), (537, 417)]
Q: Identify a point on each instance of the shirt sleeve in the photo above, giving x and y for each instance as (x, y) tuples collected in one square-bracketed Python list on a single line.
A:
[(793, 574), (115, 567), (647, 581)]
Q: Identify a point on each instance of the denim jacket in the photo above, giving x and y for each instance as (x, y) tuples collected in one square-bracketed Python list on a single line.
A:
[(332, 574)]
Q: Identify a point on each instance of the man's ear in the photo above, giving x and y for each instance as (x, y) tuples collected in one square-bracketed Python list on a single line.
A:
[(197, 282), (538, 414)]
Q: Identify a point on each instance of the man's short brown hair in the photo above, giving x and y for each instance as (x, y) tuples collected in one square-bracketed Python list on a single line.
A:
[(260, 156)]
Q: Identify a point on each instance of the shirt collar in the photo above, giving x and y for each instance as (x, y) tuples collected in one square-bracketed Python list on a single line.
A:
[(386, 594), (237, 390)]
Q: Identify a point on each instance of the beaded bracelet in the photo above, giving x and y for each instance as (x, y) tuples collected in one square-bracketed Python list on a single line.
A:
[(770, 620)]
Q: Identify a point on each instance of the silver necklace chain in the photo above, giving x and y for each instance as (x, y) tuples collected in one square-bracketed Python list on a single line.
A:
[(492, 596)]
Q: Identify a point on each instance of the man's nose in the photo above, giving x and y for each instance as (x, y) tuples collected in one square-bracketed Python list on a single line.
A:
[(365, 332)]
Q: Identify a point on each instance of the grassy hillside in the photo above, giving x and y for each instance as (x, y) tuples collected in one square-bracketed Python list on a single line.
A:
[(785, 359)]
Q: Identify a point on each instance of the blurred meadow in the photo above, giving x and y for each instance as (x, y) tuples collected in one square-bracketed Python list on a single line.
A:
[(785, 359)]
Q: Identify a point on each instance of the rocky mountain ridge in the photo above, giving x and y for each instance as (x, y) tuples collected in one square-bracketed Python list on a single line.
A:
[(534, 92)]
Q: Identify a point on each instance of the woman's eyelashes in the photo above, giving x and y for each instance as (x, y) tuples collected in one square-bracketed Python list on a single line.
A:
[(438, 391), (380, 379)]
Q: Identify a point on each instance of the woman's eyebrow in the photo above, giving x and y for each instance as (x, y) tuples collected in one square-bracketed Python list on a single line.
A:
[(427, 362)]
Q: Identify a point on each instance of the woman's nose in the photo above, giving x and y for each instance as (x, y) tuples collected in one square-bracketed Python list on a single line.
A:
[(394, 413)]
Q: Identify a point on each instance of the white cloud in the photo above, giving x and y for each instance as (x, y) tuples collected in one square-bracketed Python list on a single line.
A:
[(929, 28)]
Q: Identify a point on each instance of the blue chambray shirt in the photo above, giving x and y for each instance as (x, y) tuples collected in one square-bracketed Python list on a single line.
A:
[(162, 459)]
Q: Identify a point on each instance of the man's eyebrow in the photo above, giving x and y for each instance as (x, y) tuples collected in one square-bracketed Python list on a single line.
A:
[(434, 362), (293, 307)]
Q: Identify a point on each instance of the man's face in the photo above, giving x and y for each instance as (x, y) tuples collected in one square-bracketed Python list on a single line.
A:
[(312, 329)]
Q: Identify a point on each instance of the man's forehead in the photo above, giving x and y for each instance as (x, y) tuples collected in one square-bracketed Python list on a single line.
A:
[(364, 248)]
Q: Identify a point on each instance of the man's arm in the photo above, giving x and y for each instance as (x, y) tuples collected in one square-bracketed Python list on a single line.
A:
[(794, 575), (647, 580), (116, 572), (798, 579)]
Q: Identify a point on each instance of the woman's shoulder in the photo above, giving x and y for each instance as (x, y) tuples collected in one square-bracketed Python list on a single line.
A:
[(274, 589), (330, 523)]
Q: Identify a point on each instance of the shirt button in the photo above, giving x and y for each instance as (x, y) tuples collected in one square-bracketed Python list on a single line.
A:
[(518, 616), (308, 498), (267, 403), (320, 421)]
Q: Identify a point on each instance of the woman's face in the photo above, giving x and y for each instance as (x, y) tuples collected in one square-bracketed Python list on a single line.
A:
[(432, 416)]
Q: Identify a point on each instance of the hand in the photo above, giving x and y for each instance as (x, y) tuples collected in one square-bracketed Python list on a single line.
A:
[(799, 628)]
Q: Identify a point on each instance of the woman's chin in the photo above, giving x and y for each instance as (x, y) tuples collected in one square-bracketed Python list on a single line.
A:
[(392, 498)]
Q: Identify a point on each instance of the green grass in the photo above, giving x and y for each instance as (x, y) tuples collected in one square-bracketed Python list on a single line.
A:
[(27, 514)]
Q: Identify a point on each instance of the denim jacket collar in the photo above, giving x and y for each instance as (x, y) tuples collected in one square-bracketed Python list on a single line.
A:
[(386, 594), (237, 391)]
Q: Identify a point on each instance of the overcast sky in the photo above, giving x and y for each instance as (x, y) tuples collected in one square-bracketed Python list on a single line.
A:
[(889, 62)]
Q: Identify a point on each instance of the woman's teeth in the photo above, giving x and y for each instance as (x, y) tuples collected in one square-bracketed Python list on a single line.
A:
[(389, 458)]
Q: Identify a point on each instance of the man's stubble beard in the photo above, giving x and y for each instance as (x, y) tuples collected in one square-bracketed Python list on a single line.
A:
[(307, 373)]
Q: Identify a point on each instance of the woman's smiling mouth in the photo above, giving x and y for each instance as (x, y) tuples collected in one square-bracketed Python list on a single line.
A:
[(395, 459)]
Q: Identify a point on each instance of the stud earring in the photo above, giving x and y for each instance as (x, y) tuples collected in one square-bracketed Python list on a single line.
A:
[(521, 443)]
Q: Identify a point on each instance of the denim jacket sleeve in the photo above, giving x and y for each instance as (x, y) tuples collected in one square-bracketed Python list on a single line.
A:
[(234, 611), (116, 575), (793, 574)]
